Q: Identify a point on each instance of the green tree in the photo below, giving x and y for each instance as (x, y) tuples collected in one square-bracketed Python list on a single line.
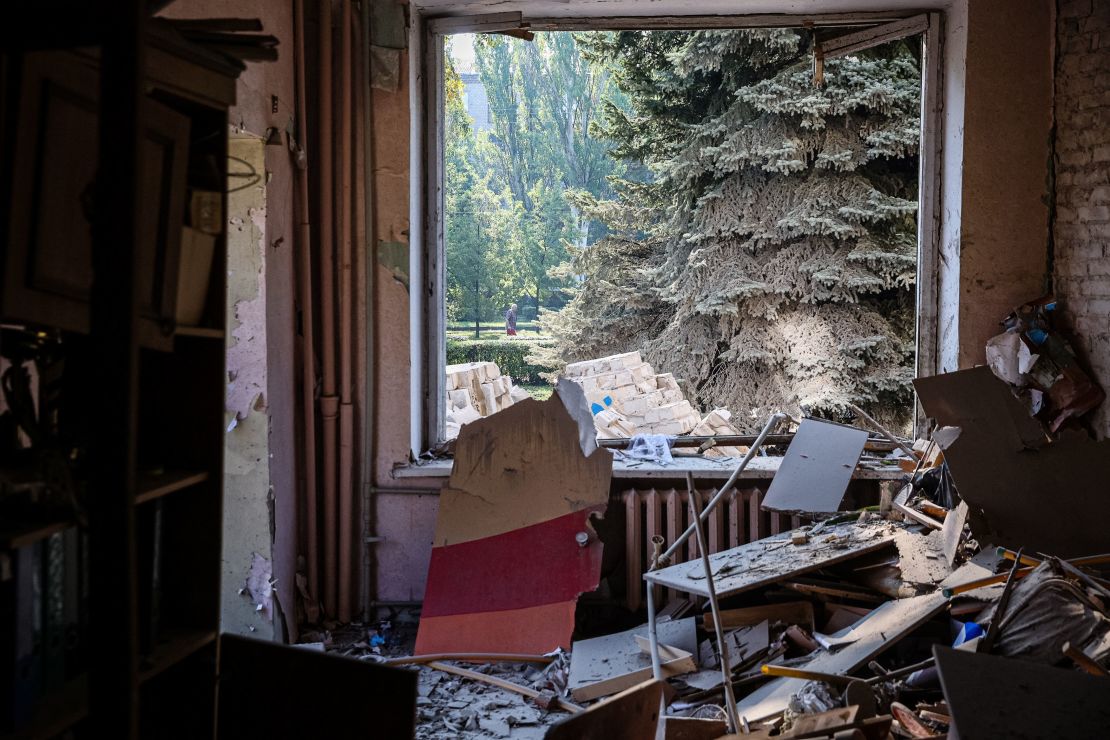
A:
[(544, 95), (767, 255), (482, 237)]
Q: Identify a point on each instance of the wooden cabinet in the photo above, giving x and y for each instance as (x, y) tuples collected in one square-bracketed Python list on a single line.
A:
[(49, 121), (48, 260)]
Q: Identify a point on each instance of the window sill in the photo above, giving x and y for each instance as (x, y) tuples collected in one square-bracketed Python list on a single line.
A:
[(760, 468)]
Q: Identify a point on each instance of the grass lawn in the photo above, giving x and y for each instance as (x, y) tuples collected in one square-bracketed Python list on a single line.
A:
[(538, 391), (468, 334), (524, 330)]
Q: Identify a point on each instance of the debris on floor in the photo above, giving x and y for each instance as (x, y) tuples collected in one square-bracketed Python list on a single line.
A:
[(972, 602), (476, 390)]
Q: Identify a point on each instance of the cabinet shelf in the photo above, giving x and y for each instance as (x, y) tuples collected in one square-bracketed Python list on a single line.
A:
[(179, 645), (22, 534), (151, 487), (56, 712), (202, 332)]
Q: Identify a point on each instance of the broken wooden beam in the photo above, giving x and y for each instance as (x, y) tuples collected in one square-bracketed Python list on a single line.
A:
[(502, 684)]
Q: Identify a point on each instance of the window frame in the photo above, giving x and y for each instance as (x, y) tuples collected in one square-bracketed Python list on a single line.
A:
[(428, 323)]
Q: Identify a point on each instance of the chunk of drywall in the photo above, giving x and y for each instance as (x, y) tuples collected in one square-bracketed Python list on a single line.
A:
[(513, 544), (817, 468)]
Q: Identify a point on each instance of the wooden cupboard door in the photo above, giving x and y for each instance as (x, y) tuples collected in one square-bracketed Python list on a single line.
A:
[(48, 262), (48, 265)]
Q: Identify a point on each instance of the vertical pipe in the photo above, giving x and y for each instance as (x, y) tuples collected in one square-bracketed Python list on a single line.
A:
[(653, 635), (365, 293), (711, 588), (328, 400), (308, 347), (345, 155)]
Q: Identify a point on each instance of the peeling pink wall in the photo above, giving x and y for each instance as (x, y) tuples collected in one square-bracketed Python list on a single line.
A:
[(253, 113)]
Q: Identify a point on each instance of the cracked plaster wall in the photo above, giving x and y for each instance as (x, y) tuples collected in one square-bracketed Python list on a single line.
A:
[(246, 604), (265, 100)]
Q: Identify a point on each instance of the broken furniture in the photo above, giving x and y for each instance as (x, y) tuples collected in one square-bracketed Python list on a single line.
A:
[(816, 469), (995, 697), (268, 689), (1008, 470), (523, 488)]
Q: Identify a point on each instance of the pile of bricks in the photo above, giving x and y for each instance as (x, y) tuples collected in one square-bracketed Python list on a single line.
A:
[(476, 390), (628, 397)]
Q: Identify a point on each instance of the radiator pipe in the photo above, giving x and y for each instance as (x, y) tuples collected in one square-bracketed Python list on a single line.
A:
[(344, 218), (329, 402), (308, 348), (726, 489)]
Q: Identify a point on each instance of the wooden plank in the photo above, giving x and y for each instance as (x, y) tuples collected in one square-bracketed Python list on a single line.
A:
[(499, 683), (155, 486), (990, 696), (817, 468), (879, 630), (953, 530), (631, 715), (606, 665), (693, 728), (774, 559), (791, 612), (870, 37)]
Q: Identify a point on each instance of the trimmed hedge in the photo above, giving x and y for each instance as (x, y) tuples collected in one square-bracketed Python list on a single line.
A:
[(509, 355)]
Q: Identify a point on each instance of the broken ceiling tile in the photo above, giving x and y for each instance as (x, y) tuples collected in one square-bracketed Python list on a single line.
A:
[(605, 665), (816, 469)]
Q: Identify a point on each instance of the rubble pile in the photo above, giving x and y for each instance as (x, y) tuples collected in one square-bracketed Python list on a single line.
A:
[(476, 390), (958, 604), (627, 397)]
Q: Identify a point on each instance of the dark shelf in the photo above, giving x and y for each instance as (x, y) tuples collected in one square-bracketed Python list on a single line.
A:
[(151, 487), (203, 332), (178, 645), (20, 534), (56, 712)]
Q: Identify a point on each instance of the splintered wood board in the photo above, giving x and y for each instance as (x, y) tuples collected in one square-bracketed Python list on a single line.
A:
[(774, 559), (870, 636), (631, 715), (990, 696), (605, 665), (817, 468)]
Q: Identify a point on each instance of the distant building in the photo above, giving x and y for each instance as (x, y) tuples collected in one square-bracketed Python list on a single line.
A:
[(475, 100)]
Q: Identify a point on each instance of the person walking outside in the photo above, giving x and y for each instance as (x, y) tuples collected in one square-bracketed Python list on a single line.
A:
[(510, 321)]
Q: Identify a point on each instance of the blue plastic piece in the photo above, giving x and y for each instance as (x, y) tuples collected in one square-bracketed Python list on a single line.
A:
[(596, 408), (968, 632)]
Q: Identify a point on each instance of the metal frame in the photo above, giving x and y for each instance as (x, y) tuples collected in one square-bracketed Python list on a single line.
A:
[(428, 325)]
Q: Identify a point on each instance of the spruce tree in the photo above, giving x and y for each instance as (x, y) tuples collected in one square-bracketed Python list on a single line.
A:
[(768, 256)]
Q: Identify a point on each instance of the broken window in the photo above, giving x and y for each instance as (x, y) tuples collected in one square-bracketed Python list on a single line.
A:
[(701, 227)]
